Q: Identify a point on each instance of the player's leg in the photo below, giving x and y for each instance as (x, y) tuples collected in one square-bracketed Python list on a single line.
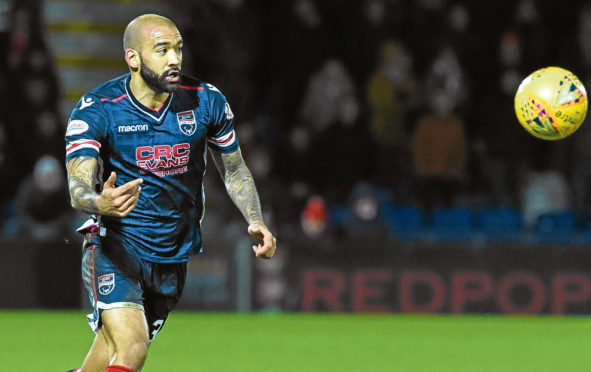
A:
[(165, 283), (127, 334), (98, 357), (112, 277)]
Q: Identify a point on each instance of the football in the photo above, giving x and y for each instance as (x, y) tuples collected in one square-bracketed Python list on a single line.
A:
[(551, 103)]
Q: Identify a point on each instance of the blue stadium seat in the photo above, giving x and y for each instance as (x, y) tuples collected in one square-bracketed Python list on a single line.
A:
[(561, 221), (453, 224), (500, 224), (504, 219), (556, 227), (339, 214), (405, 221)]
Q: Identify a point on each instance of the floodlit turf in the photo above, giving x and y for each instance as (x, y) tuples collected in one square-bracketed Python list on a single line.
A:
[(56, 341)]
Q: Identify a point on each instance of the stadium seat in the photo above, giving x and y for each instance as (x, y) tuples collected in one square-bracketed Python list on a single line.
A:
[(405, 221), (555, 227), (504, 219), (561, 221), (454, 224), (500, 224), (339, 214)]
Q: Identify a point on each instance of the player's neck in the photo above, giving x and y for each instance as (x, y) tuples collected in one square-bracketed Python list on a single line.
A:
[(146, 95)]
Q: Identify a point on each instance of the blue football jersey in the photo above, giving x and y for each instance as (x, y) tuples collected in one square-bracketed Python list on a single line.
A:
[(166, 147)]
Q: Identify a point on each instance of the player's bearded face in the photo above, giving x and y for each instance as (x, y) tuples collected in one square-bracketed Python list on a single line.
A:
[(159, 83)]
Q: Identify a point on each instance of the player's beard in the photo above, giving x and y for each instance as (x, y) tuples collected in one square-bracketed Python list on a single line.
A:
[(158, 83)]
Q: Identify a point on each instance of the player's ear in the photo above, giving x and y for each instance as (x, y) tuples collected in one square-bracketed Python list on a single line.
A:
[(132, 58)]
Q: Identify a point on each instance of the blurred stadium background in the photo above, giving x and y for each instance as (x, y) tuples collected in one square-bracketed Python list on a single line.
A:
[(382, 138)]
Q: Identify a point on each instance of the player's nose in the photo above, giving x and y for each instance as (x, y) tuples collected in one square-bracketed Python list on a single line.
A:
[(174, 59)]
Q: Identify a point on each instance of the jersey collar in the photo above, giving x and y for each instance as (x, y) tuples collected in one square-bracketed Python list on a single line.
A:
[(157, 115)]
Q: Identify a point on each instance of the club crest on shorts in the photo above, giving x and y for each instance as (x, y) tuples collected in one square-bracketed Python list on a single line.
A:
[(106, 283), (187, 122)]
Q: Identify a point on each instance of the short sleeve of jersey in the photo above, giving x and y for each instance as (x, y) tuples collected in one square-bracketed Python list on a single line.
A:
[(221, 135), (86, 128)]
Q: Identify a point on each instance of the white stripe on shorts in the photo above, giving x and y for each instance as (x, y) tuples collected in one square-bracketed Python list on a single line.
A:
[(117, 305)]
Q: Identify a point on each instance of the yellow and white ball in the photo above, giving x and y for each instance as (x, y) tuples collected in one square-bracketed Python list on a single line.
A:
[(551, 103)]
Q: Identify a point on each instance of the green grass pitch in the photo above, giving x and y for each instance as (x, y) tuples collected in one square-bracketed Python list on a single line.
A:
[(56, 341)]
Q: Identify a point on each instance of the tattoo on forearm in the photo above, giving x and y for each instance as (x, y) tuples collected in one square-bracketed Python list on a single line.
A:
[(241, 187), (81, 181)]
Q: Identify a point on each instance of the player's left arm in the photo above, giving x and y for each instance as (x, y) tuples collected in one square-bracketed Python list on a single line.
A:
[(242, 190)]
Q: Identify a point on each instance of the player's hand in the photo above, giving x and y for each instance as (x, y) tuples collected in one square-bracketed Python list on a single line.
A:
[(118, 201), (267, 243)]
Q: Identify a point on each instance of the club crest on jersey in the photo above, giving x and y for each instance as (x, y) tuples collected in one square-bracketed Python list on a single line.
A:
[(106, 284), (187, 122)]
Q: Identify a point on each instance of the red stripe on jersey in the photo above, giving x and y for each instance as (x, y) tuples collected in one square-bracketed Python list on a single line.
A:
[(114, 99), (227, 139), (119, 98), (190, 88), (73, 146)]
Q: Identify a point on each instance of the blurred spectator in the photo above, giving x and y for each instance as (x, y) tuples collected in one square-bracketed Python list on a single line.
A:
[(43, 204), (393, 98), (545, 190), (392, 94), (445, 87), (329, 98), (439, 153), (362, 217), (314, 217), (439, 141)]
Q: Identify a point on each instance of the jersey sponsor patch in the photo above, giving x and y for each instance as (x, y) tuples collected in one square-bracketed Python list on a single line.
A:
[(163, 160), (106, 284), (187, 122), (76, 127), (228, 111)]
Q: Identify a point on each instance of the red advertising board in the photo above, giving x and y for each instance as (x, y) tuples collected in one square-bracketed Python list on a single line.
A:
[(432, 279)]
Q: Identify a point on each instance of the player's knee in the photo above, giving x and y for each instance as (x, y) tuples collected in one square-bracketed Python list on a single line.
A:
[(132, 353), (139, 351)]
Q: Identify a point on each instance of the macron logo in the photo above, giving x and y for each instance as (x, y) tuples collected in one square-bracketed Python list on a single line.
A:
[(84, 103), (132, 128)]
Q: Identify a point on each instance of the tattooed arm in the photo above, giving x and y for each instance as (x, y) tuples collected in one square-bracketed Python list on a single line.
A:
[(114, 201), (81, 179), (242, 190), (240, 184)]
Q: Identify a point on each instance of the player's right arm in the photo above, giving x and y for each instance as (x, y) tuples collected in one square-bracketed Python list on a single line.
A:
[(112, 201), (84, 135)]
